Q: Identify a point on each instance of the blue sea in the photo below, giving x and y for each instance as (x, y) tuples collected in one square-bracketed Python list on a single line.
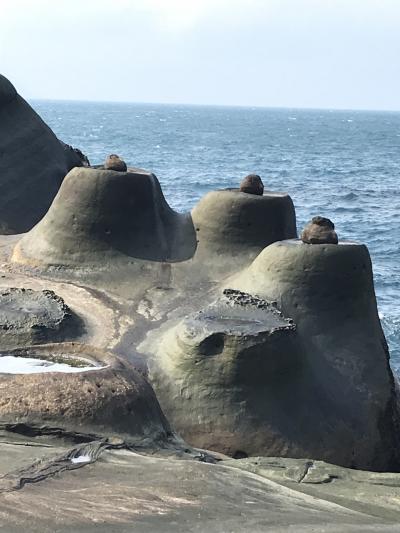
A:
[(344, 165)]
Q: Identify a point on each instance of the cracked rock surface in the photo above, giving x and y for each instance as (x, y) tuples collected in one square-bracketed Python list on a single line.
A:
[(32, 317), (105, 487), (374, 493)]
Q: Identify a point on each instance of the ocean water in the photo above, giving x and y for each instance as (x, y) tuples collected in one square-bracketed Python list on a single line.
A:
[(344, 165)]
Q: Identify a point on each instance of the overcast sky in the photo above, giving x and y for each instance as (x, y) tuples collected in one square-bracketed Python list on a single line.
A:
[(291, 53)]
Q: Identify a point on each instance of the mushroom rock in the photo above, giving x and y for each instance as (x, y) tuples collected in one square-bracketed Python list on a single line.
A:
[(230, 378), (32, 317), (100, 395), (33, 163), (252, 184), (113, 162), (233, 224), (319, 231), (328, 291), (101, 217)]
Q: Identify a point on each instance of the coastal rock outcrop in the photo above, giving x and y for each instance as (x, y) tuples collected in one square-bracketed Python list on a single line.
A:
[(33, 317), (113, 490), (74, 155), (110, 398), (313, 382), (233, 224), (226, 376), (251, 341), (240, 378), (104, 216), (328, 291), (252, 184), (107, 216), (7, 91), (33, 163), (319, 231)]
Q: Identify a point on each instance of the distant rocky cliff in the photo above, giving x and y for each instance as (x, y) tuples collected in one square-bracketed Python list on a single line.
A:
[(33, 162)]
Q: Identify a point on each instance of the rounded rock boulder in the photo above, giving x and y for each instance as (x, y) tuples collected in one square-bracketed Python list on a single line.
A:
[(100, 395), (319, 231), (252, 184), (114, 162)]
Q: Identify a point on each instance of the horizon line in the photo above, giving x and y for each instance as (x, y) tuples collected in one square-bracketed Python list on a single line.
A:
[(237, 106)]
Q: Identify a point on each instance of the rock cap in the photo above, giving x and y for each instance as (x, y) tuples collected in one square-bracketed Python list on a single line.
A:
[(252, 184), (320, 230), (114, 162)]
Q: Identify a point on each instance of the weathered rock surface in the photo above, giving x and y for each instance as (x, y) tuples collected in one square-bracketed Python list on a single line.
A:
[(319, 231), (122, 492), (328, 291), (7, 91), (111, 400), (232, 224), (374, 493), (113, 162), (324, 390), (252, 184), (74, 153), (104, 216), (34, 317), (230, 378), (33, 163), (253, 346)]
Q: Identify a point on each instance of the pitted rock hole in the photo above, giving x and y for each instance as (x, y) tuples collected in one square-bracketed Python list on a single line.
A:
[(212, 345)]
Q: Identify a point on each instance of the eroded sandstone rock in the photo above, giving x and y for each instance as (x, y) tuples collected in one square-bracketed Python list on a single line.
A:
[(319, 231), (152, 493), (252, 184), (361, 491), (33, 163), (224, 376), (233, 375), (73, 154), (100, 217), (114, 162), (111, 399), (239, 226), (352, 416), (33, 317), (7, 91)]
